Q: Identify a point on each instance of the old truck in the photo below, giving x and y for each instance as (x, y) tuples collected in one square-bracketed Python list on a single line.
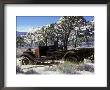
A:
[(52, 53)]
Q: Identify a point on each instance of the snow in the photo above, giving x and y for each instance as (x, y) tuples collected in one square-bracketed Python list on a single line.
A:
[(84, 68)]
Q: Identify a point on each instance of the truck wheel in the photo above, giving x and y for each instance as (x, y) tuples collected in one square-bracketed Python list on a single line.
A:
[(25, 61), (70, 56), (71, 59)]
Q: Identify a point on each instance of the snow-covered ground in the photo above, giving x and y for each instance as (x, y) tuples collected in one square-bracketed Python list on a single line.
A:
[(62, 68)]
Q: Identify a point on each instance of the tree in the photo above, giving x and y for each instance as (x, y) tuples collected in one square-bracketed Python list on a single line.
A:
[(52, 34), (49, 34), (87, 35), (67, 31), (19, 41), (69, 24), (44, 32)]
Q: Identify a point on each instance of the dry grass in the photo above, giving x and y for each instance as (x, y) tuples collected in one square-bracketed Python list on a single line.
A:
[(72, 68)]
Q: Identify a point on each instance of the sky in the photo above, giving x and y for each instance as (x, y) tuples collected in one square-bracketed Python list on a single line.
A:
[(26, 23)]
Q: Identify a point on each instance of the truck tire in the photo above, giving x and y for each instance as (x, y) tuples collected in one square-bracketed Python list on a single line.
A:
[(70, 56)]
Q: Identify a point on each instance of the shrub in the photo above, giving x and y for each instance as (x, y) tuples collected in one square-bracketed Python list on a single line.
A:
[(68, 68), (19, 70), (73, 68)]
